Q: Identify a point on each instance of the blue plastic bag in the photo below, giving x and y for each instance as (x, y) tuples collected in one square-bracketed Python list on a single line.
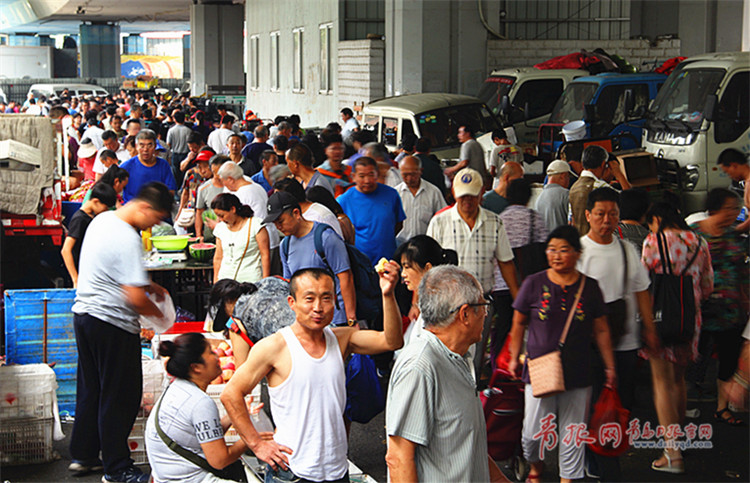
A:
[(364, 395)]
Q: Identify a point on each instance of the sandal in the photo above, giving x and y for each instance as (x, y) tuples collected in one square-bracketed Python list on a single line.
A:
[(534, 478), (674, 465), (731, 420)]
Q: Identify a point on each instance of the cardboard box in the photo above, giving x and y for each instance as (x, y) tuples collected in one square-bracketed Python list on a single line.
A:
[(639, 168)]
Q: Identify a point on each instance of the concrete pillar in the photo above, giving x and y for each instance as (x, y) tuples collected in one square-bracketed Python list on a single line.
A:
[(186, 56), (134, 44), (100, 50), (216, 51), (436, 45)]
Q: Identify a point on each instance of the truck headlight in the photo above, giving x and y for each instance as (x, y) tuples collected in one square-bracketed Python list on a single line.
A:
[(690, 177)]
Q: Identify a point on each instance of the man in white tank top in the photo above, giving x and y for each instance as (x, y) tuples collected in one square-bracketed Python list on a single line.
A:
[(304, 364)]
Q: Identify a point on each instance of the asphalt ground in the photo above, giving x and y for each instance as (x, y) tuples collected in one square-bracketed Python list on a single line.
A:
[(727, 460)]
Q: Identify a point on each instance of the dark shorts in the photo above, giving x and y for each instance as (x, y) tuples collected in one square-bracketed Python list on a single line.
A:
[(285, 476)]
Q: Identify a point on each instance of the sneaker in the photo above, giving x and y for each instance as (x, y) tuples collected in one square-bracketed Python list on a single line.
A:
[(692, 413), (130, 474), (80, 468)]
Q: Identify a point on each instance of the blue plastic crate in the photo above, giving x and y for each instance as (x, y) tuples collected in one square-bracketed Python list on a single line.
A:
[(24, 329)]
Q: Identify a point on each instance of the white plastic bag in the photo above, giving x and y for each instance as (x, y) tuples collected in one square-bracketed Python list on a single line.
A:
[(160, 324)]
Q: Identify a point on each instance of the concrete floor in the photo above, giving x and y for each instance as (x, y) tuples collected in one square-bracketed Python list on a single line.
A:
[(728, 460)]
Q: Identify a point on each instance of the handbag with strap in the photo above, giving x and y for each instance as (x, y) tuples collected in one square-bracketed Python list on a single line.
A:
[(674, 299), (546, 372), (247, 244), (233, 472), (530, 258), (618, 309)]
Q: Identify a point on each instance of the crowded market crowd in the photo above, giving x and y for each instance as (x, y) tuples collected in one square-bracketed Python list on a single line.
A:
[(477, 278)]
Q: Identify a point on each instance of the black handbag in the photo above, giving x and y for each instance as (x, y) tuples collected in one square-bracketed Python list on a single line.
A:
[(674, 300), (618, 309), (530, 258)]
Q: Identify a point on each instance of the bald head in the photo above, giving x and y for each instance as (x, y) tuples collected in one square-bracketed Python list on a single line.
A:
[(511, 170), (411, 171)]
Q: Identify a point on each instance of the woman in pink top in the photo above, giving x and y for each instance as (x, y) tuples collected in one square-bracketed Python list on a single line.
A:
[(668, 363)]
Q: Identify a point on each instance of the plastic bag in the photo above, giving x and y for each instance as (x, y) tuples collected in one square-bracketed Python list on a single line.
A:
[(364, 395), (169, 315), (608, 425)]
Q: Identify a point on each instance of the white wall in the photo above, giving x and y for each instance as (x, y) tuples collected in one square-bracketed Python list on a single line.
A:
[(264, 17), (502, 54)]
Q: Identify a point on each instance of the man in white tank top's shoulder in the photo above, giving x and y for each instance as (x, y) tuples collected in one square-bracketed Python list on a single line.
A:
[(304, 365)]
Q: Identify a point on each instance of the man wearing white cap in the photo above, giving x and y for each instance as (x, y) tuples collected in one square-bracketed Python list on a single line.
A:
[(552, 204), (477, 235)]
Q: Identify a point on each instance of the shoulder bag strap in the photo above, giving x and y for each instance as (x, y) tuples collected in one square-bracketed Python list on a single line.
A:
[(625, 268), (695, 255), (666, 264), (572, 311), (247, 244), (318, 239), (172, 444)]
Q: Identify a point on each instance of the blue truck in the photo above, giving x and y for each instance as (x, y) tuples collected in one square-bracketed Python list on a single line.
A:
[(613, 105)]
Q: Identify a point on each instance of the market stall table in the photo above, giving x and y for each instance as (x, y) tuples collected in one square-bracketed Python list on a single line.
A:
[(189, 283)]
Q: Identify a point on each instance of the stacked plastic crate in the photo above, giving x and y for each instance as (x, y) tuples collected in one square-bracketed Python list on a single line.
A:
[(154, 378), (27, 414)]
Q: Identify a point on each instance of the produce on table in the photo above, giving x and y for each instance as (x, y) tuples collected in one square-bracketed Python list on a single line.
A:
[(226, 361), (203, 252)]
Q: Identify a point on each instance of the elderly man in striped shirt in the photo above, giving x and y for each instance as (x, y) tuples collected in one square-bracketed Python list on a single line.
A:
[(434, 419)]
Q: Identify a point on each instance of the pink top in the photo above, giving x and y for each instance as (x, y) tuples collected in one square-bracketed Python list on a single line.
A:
[(682, 245)]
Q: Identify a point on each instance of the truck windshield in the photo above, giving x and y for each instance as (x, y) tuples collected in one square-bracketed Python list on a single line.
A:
[(683, 98), (570, 105), (441, 126), (493, 90)]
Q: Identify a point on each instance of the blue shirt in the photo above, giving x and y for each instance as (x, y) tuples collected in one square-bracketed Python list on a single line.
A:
[(374, 216), (261, 180), (302, 254), (140, 175)]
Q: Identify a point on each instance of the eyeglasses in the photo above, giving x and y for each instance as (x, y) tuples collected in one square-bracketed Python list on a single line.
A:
[(486, 304)]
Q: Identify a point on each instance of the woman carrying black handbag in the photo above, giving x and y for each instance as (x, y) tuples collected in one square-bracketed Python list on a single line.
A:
[(672, 251)]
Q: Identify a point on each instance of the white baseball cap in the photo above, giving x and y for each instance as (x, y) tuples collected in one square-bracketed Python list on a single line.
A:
[(468, 182), (558, 167)]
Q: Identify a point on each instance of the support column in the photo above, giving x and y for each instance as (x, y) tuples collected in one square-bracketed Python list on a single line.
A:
[(216, 50), (100, 50), (436, 45), (186, 56)]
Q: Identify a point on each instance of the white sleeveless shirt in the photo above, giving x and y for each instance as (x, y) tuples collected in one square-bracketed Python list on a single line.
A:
[(308, 408)]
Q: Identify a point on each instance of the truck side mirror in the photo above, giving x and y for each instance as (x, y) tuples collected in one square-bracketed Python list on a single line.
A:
[(589, 113), (709, 110), (505, 106), (629, 102)]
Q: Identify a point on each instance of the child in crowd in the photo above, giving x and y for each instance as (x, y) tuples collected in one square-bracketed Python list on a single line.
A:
[(103, 197)]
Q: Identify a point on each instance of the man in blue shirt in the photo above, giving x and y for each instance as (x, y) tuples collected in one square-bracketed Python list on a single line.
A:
[(146, 167), (263, 177), (375, 211), (298, 252)]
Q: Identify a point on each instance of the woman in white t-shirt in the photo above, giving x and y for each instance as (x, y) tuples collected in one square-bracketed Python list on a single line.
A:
[(187, 416), (242, 244)]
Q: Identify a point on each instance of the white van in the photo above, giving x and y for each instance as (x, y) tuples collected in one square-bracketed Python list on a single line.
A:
[(526, 88), (435, 116), (78, 90), (702, 109)]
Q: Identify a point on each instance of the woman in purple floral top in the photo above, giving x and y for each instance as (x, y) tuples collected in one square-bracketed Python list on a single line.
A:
[(543, 304), (668, 363)]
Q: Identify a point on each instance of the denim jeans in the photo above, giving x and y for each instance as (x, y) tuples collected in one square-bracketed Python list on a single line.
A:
[(286, 476)]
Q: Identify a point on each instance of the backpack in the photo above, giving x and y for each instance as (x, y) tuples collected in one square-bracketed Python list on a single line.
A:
[(366, 280), (674, 300)]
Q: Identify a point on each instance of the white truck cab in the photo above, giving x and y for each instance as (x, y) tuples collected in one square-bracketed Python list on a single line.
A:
[(702, 109), (527, 89), (435, 116)]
